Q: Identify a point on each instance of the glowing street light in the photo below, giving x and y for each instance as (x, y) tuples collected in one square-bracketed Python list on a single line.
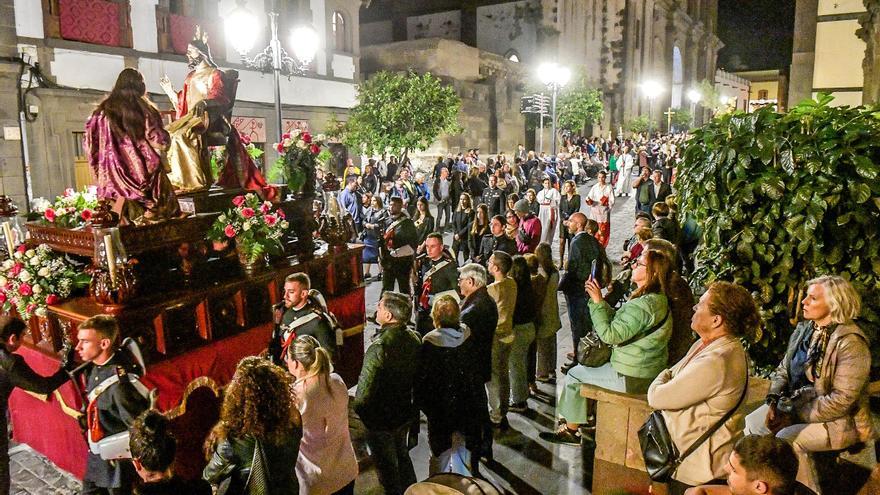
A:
[(555, 77), (241, 29), (651, 89)]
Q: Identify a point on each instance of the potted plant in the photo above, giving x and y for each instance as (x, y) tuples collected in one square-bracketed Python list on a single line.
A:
[(296, 166), (255, 226)]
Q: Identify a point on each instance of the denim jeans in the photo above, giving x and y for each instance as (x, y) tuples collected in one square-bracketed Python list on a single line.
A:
[(579, 315), (390, 455), (523, 336)]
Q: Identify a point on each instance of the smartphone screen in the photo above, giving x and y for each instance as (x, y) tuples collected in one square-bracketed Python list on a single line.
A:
[(593, 271)]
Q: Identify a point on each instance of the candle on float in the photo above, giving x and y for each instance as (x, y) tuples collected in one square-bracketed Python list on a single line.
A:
[(7, 233), (111, 257)]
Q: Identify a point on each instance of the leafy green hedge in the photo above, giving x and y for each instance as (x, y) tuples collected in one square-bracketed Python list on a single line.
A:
[(781, 199)]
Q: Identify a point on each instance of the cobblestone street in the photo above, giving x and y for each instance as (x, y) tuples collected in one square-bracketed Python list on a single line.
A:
[(524, 464)]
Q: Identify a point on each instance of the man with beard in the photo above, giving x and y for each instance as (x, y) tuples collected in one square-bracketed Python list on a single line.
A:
[(300, 313), (204, 108)]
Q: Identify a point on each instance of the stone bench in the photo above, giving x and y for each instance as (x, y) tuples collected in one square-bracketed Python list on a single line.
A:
[(618, 463)]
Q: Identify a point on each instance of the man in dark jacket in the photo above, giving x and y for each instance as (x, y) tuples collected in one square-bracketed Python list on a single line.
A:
[(384, 399), (299, 314), (116, 398), (14, 372), (650, 191), (480, 313), (397, 249), (584, 250), (494, 197), (495, 240)]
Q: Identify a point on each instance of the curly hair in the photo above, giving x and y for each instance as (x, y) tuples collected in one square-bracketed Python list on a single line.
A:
[(259, 403)]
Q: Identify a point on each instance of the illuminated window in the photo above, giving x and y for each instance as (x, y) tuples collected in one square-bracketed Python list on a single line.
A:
[(339, 34), (762, 94)]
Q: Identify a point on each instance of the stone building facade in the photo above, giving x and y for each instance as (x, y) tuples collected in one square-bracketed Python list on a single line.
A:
[(80, 53), (618, 44)]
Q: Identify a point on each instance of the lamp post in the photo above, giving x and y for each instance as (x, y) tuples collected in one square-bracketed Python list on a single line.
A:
[(241, 29), (555, 77), (694, 96), (651, 89)]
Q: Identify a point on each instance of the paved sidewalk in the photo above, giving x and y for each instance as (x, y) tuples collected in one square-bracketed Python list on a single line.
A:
[(33, 474)]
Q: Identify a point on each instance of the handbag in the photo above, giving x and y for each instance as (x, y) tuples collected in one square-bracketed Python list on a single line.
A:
[(593, 353), (658, 449)]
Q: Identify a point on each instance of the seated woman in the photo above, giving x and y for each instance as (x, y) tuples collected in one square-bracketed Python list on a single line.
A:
[(152, 451), (640, 332), (267, 420), (699, 390), (450, 391), (326, 462), (817, 399)]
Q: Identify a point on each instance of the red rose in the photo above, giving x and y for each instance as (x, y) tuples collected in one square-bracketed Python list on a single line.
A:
[(279, 147), (306, 137), (86, 215), (315, 149), (21, 248), (49, 214), (271, 220), (2, 297), (16, 269), (265, 208), (229, 231), (247, 212), (281, 214), (52, 299), (31, 308), (238, 200), (25, 290), (284, 136)]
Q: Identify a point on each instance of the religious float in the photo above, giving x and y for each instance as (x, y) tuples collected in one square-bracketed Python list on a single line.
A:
[(194, 289)]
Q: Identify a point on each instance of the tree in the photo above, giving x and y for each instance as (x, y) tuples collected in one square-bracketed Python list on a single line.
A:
[(397, 113), (781, 199), (639, 125), (682, 119), (579, 107)]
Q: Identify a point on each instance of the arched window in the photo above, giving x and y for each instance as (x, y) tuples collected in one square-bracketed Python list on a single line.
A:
[(340, 38)]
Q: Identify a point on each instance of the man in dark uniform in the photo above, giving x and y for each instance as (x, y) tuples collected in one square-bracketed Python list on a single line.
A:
[(398, 249), (494, 197), (298, 314), (115, 399), (494, 240), (437, 274), (14, 372)]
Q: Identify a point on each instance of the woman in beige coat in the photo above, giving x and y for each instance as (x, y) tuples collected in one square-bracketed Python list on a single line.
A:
[(707, 383), (817, 399)]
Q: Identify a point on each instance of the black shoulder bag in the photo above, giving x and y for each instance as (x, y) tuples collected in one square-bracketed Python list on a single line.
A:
[(593, 353), (659, 451)]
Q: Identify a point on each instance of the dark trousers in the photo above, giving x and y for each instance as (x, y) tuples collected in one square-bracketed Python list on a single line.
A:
[(397, 270), (461, 246), (390, 455), (579, 315), (444, 206), (532, 367), (89, 488)]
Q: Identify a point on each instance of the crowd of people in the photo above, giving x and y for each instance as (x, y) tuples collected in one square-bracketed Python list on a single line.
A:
[(485, 313)]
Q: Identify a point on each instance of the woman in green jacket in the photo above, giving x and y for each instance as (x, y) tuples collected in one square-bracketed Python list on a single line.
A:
[(638, 332)]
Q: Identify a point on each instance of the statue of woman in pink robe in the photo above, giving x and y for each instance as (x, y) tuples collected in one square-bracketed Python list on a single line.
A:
[(125, 142)]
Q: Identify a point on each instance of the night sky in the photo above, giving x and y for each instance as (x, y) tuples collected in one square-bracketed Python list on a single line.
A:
[(757, 34)]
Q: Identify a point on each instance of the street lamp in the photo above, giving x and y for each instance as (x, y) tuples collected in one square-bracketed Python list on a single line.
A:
[(694, 96), (651, 89), (241, 29), (555, 77)]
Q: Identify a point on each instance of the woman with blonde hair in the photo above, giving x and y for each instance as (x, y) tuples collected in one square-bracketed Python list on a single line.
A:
[(818, 399), (326, 462), (258, 415)]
